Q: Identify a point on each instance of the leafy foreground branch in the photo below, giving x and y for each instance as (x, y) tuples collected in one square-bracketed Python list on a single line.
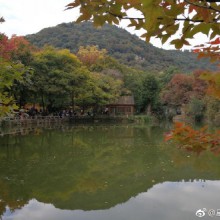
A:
[(194, 140), (176, 22)]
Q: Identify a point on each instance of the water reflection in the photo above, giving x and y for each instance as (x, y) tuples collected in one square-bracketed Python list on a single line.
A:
[(167, 201), (103, 168)]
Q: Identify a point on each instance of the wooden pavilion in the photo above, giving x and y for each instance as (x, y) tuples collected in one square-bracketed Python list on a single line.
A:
[(123, 106)]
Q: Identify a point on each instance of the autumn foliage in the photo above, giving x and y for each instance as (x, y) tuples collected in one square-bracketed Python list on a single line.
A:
[(209, 50), (15, 48), (183, 87), (6, 47), (213, 80), (90, 55), (194, 140)]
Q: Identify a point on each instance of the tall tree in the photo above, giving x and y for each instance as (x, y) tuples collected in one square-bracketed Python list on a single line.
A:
[(150, 92), (178, 91), (6, 47), (54, 70), (101, 90), (10, 72), (182, 88), (23, 51)]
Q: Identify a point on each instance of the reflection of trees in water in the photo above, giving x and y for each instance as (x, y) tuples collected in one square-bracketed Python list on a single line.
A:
[(91, 167), (12, 201), (32, 129)]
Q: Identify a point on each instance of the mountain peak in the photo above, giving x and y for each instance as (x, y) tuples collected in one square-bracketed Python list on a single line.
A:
[(120, 44)]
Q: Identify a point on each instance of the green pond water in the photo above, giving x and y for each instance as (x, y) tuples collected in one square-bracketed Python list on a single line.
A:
[(104, 172)]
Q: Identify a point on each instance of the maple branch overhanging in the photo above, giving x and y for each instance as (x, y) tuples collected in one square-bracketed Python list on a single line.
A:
[(202, 6), (211, 0), (121, 17), (191, 20), (161, 18)]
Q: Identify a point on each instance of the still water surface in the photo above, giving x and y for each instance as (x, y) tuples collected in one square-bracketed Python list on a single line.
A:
[(104, 172)]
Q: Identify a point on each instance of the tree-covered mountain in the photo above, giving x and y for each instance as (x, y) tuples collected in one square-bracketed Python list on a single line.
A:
[(120, 44)]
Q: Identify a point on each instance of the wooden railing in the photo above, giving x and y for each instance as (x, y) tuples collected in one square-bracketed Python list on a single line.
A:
[(44, 120), (32, 120)]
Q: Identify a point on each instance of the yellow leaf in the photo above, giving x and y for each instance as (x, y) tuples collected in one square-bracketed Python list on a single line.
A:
[(164, 38), (178, 43)]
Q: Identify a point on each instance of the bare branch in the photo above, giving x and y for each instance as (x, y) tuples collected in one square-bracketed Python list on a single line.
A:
[(203, 6), (161, 18), (121, 17), (212, 0), (188, 19)]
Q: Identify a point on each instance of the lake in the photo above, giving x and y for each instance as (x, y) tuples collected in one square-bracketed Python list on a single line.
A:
[(104, 172)]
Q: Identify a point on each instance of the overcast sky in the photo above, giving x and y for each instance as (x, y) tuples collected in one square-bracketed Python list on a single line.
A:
[(30, 16)]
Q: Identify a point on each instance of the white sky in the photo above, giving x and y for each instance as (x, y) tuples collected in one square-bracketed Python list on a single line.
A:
[(30, 16)]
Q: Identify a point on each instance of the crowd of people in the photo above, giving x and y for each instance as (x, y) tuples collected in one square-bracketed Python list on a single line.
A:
[(34, 112)]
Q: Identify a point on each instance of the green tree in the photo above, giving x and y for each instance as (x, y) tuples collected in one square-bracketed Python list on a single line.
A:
[(196, 109), (60, 80), (134, 82), (13, 72), (102, 90), (213, 110), (79, 86), (54, 72), (10, 72), (150, 92), (167, 75)]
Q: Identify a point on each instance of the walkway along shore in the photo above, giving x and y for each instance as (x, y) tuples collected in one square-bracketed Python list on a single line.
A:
[(38, 120)]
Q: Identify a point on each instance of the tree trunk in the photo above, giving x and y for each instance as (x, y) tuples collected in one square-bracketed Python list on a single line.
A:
[(148, 109), (42, 101), (73, 100)]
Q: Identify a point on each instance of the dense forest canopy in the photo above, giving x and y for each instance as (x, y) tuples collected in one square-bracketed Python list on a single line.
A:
[(120, 44)]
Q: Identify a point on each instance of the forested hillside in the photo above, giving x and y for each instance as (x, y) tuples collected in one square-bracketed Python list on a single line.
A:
[(120, 44)]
